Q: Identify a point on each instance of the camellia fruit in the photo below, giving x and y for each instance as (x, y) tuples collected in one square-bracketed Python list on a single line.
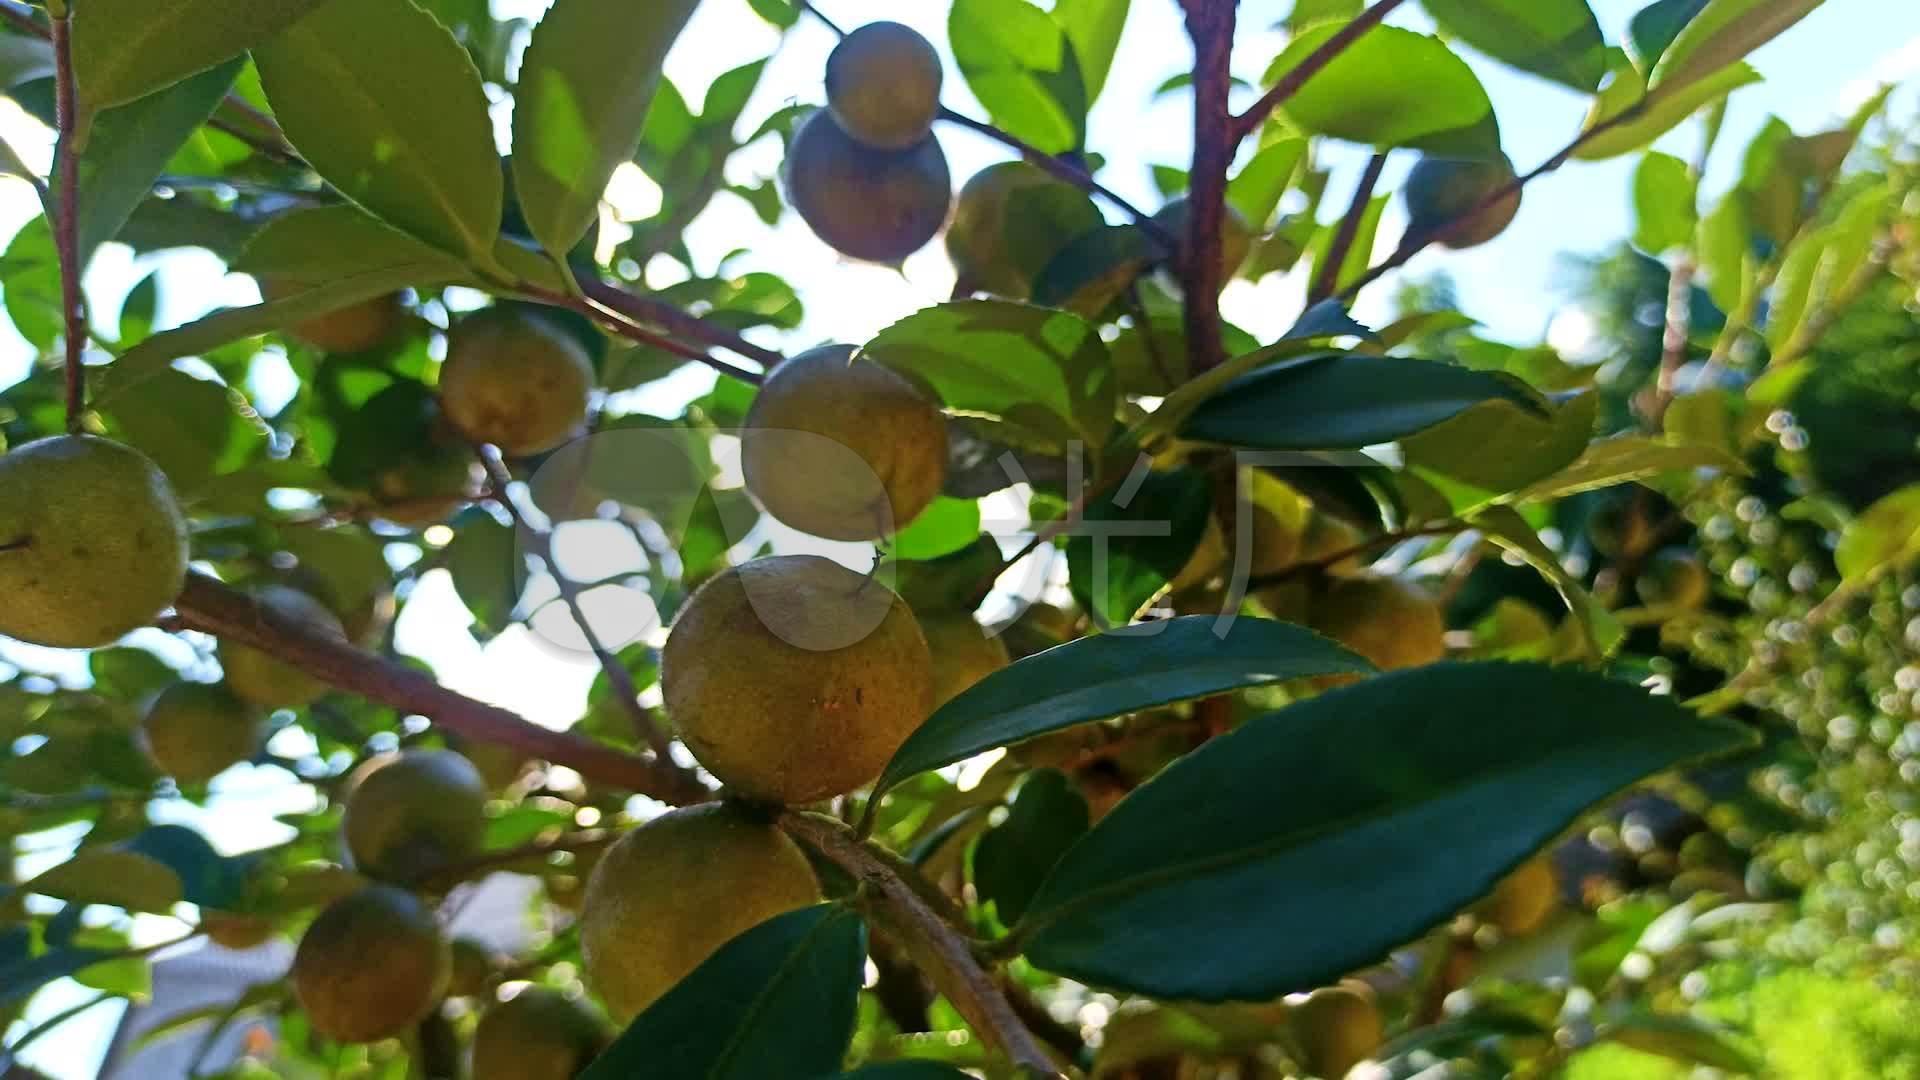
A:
[(371, 966), (866, 203), (1441, 191), (412, 814), (1236, 237), (794, 679), (354, 328), (515, 380), (963, 653), (883, 85), (1393, 623), (195, 731), (1009, 221), (541, 1034)]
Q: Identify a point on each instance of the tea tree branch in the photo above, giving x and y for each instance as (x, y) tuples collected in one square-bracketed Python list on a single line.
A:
[(66, 214), (1210, 24), (1328, 279)]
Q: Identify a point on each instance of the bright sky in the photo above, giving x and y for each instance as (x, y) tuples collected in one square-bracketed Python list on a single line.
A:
[(1814, 74)]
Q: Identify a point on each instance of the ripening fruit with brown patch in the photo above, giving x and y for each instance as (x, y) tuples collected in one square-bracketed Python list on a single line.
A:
[(195, 731), (1441, 190), (413, 814), (359, 327), (92, 542), (844, 449), (883, 85), (669, 894), (515, 380), (866, 203), (794, 679), (371, 966), (541, 1034), (255, 677), (1395, 624)]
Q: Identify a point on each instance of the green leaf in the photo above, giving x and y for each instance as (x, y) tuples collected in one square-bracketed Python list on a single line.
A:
[(1664, 193), (585, 84), (32, 289), (906, 1070), (781, 13), (1686, 1039), (1554, 39), (1093, 29), (190, 427), (324, 243), (207, 878), (947, 525), (1723, 33), (1359, 254), (127, 49), (138, 309), (1496, 447), (1599, 630), (111, 876), (1013, 857), (1886, 534), (1726, 253), (1659, 114), (1021, 65), (1622, 459), (778, 1000), (1200, 883), (1819, 267), (131, 146), (1043, 374), (127, 976), (1342, 401), (1392, 87), (1106, 675), (1255, 191), (1130, 544), (1654, 27), (487, 566), (389, 109)]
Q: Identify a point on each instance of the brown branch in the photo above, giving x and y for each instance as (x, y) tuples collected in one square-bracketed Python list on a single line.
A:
[(1290, 83), (1066, 171), (677, 322), (584, 840), (66, 218), (1328, 279), (1210, 24), (974, 992), (214, 608), (616, 323)]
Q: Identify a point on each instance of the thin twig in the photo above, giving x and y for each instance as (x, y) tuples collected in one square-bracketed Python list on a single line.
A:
[(585, 840), (1067, 171), (211, 607), (1290, 83), (677, 322), (956, 971), (616, 323), (1210, 24), (66, 219), (1678, 327), (541, 540), (807, 6), (1328, 279)]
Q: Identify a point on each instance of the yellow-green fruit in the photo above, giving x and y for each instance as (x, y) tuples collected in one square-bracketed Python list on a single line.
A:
[(255, 677), (866, 203), (1327, 536), (92, 544), (541, 1034), (413, 814), (667, 895), (843, 449), (236, 932), (1273, 546), (1009, 221), (371, 966), (1236, 237), (1522, 901), (354, 328), (963, 653), (883, 85), (1441, 190), (794, 679), (1338, 1027), (1391, 622), (195, 731), (516, 381), (1674, 578)]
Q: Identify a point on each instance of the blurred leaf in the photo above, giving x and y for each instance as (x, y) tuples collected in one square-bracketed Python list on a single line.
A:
[(32, 284), (1555, 39), (389, 109), (1820, 266), (1093, 29), (1622, 459), (319, 244), (1131, 543), (947, 525), (1725, 248), (1257, 188), (1723, 33), (1886, 534), (1093, 269), (208, 878), (1021, 64), (1359, 255), (1196, 885), (112, 876), (1663, 203), (137, 310), (191, 428), (127, 49), (779, 1000), (1392, 87), (585, 84), (127, 976), (1496, 447), (1105, 675), (1686, 1039), (1658, 114), (487, 564), (781, 13), (1013, 857), (1600, 631), (1653, 28)]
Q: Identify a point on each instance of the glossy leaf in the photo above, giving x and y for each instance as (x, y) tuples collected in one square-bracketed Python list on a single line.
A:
[(1555, 39), (1392, 87), (585, 84), (1117, 672), (776, 1001), (324, 243), (1131, 543), (1654, 27), (1342, 401), (1723, 33), (388, 108), (1469, 769), (1496, 447), (127, 49), (1022, 66), (1663, 203), (1623, 459)]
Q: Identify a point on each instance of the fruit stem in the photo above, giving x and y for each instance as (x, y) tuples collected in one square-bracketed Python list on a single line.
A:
[(807, 6), (65, 211), (1328, 279), (1211, 25), (1291, 82)]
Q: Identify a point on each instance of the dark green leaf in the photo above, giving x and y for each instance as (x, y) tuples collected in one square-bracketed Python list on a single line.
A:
[(1199, 884), (776, 1001), (585, 85), (1131, 543), (1117, 672), (127, 49), (1392, 87), (1555, 39), (1013, 857)]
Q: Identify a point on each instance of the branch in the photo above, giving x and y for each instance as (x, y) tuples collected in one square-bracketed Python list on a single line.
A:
[(1328, 279), (615, 323), (1067, 171), (973, 991), (1291, 82), (677, 322), (66, 217), (584, 840), (214, 608), (1210, 24)]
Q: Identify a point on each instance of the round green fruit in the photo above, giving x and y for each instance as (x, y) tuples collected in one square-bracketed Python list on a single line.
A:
[(371, 966), (841, 449), (541, 1034), (794, 679), (1338, 1027), (515, 380), (866, 203), (963, 653), (259, 679), (1673, 578), (195, 731), (1009, 221), (1393, 623), (92, 543), (1441, 191), (667, 895), (425, 490), (1236, 237), (883, 85), (359, 327), (413, 814)]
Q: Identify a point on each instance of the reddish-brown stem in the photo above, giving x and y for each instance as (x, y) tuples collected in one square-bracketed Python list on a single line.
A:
[(1328, 279), (213, 608), (1210, 23), (677, 322), (1291, 82), (616, 323), (66, 221)]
